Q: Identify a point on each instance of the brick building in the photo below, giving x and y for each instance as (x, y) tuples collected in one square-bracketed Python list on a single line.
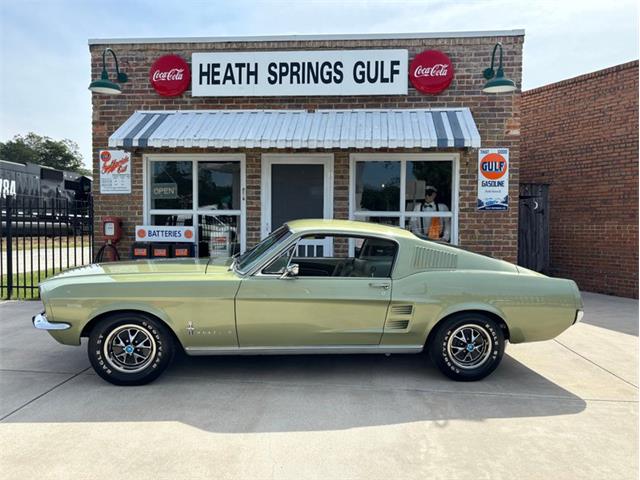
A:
[(580, 136), (240, 160)]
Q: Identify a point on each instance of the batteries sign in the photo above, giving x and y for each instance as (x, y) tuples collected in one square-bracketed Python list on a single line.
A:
[(151, 233), (493, 179)]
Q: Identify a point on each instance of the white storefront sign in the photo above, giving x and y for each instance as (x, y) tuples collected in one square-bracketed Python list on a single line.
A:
[(493, 179), (115, 171), (153, 233), (325, 72)]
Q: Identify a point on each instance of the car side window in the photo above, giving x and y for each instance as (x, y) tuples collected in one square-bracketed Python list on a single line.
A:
[(279, 264), (344, 256)]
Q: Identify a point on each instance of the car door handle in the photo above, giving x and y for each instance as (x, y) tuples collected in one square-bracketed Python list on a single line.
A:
[(379, 285)]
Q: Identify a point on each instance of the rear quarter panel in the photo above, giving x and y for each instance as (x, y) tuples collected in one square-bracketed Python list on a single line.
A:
[(533, 307)]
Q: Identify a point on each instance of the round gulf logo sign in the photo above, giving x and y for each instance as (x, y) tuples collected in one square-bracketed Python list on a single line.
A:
[(493, 166)]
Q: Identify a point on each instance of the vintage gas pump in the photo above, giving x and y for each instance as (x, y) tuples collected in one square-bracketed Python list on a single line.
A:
[(112, 232)]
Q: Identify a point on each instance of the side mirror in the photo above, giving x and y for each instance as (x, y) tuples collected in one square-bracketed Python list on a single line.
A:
[(291, 271)]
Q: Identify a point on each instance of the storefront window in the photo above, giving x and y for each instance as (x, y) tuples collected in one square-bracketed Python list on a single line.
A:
[(171, 185), (392, 221), (185, 220), (420, 176), (428, 183), (378, 186), (218, 235), (214, 200), (219, 185)]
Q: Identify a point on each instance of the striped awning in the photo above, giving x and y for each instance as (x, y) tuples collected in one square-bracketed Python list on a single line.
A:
[(399, 128)]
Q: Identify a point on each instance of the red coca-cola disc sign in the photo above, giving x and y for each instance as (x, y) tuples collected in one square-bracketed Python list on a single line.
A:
[(431, 72), (169, 75)]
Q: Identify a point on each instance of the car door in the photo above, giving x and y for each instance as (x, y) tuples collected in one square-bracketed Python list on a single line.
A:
[(312, 310)]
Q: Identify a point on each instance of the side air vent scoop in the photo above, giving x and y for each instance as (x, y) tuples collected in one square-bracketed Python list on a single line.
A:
[(397, 325), (427, 258), (399, 317), (401, 310)]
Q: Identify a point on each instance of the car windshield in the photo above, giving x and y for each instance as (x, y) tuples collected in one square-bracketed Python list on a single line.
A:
[(248, 259)]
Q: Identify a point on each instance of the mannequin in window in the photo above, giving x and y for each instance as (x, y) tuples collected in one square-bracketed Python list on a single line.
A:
[(434, 228)]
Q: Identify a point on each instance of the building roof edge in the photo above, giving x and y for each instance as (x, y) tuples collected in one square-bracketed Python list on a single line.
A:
[(295, 38), (583, 77)]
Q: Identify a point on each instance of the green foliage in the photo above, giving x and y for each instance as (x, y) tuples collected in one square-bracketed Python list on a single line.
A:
[(60, 154)]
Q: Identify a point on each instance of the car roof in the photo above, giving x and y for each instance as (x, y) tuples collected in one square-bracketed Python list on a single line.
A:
[(348, 227)]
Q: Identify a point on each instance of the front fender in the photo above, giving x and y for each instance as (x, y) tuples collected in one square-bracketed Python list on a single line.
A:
[(79, 315), (143, 307)]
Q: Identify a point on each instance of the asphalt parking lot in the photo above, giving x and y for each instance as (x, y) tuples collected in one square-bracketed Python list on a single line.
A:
[(561, 409)]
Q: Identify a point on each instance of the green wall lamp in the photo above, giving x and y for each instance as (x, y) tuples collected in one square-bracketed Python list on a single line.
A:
[(104, 85), (496, 81)]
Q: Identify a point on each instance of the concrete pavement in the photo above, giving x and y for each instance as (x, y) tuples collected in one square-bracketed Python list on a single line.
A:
[(566, 408)]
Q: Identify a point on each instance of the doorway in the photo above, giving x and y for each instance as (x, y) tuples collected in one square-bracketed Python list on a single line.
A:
[(294, 187), (533, 227)]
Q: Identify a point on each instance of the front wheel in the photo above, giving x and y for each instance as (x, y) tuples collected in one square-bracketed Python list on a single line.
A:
[(130, 348), (467, 346)]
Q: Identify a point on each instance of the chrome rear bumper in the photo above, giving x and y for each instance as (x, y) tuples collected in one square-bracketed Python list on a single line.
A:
[(40, 322)]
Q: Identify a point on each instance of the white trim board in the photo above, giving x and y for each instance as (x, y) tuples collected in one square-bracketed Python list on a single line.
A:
[(518, 32)]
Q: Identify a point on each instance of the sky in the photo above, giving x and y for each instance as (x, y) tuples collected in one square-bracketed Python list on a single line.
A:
[(44, 56)]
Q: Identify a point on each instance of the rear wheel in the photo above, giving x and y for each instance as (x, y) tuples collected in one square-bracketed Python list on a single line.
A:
[(467, 346), (130, 348)]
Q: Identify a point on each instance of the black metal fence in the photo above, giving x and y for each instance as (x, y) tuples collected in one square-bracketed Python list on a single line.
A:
[(41, 237)]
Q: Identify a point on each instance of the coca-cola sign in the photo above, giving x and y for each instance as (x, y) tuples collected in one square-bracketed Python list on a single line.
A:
[(170, 75), (431, 72)]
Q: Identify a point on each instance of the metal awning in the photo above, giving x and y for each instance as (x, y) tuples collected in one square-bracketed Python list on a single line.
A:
[(329, 129)]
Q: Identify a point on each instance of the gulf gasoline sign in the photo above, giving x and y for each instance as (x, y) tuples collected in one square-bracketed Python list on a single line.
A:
[(493, 179)]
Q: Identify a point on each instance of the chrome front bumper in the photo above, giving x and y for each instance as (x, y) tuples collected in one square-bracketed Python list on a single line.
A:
[(40, 322)]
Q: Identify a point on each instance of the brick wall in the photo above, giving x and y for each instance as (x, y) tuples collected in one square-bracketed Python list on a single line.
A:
[(581, 137), (497, 118)]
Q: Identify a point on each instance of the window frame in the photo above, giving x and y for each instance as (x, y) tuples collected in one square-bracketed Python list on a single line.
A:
[(402, 214), (260, 273), (194, 211)]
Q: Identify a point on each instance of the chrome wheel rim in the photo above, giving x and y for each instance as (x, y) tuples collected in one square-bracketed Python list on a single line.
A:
[(469, 346), (130, 348)]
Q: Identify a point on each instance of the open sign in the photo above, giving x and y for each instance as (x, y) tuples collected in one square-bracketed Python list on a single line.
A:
[(164, 191)]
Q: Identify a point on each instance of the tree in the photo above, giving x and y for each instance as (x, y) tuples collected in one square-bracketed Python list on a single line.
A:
[(60, 154)]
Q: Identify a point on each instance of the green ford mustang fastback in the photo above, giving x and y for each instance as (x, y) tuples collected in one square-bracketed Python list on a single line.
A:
[(312, 286)]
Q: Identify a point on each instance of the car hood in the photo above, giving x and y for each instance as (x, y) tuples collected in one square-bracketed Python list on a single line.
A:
[(187, 265)]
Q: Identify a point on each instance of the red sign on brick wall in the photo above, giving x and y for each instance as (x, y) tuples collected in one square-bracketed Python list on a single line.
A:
[(431, 72), (170, 76)]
